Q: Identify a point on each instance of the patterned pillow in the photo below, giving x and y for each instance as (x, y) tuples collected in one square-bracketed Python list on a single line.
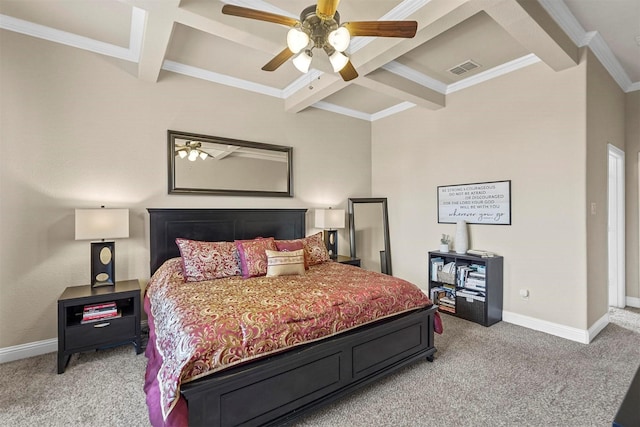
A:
[(208, 260), (293, 245), (286, 263), (253, 258), (316, 249)]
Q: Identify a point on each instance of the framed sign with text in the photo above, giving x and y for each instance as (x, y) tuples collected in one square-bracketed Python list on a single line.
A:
[(480, 203)]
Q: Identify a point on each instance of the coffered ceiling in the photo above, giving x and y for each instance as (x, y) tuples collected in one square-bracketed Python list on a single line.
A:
[(459, 43)]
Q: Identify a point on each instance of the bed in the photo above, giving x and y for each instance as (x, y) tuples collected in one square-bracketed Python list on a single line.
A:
[(281, 384)]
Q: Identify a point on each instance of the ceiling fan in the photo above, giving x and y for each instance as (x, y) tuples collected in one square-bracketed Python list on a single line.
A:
[(319, 27), (191, 150)]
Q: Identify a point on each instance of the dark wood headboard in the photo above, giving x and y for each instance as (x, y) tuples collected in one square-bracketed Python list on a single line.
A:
[(215, 225)]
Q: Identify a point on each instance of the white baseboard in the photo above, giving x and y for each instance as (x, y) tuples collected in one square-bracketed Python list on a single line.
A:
[(562, 331), (633, 302), (22, 351), (597, 327)]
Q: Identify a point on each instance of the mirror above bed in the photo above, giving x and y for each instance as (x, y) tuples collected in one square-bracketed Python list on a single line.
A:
[(202, 164)]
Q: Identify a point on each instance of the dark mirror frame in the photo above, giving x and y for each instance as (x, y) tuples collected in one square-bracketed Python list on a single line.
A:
[(385, 258), (172, 135)]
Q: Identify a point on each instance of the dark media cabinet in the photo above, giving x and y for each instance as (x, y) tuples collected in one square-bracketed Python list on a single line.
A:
[(484, 308)]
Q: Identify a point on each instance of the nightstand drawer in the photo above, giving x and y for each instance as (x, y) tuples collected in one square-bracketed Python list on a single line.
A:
[(108, 331)]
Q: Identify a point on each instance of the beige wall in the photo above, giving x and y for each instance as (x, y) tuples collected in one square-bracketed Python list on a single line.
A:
[(78, 130), (632, 150), (528, 127), (605, 125)]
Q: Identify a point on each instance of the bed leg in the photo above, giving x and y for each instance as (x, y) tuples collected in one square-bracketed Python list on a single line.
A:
[(430, 358)]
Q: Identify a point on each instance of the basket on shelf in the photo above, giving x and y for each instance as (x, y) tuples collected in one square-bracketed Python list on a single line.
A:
[(445, 277)]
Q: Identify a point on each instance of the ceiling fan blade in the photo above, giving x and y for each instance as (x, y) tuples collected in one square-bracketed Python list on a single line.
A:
[(327, 8), (405, 29), (244, 12), (348, 72), (279, 59)]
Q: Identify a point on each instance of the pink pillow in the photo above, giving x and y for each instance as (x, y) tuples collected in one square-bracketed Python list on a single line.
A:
[(253, 256), (208, 260), (293, 245), (315, 249)]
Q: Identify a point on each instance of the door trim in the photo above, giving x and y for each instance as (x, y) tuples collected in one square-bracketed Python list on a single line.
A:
[(617, 155)]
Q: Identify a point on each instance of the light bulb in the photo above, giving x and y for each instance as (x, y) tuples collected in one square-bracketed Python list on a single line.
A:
[(339, 39), (193, 155), (203, 155), (297, 40), (182, 154), (338, 61), (302, 61)]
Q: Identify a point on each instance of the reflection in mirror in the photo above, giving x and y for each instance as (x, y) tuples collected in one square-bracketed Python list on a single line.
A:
[(369, 233), (213, 165)]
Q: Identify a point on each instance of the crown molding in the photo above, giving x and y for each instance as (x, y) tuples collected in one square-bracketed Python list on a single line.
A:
[(570, 25), (494, 72), (323, 105), (131, 54), (415, 76), (601, 50), (398, 108), (223, 79)]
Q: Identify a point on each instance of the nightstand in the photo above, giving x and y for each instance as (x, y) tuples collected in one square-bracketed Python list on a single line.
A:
[(75, 337), (347, 260)]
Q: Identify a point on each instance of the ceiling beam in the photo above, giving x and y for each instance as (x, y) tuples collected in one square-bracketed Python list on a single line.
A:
[(393, 85), (530, 24), (157, 35)]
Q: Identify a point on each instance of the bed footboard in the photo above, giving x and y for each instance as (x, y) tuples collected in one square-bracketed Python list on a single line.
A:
[(280, 388)]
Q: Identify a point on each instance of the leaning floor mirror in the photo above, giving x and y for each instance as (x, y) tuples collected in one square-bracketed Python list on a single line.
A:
[(369, 233)]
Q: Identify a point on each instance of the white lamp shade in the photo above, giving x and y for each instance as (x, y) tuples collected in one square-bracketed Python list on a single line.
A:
[(297, 40), (339, 39), (329, 218), (302, 62), (102, 224), (338, 61)]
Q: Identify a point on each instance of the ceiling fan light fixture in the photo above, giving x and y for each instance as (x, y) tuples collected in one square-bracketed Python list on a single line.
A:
[(203, 155), (338, 61), (339, 39), (193, 155), (182, 153), (303, 61), (297, 39)]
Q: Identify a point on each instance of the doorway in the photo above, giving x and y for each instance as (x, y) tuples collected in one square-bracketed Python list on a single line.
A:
[(616, 228)]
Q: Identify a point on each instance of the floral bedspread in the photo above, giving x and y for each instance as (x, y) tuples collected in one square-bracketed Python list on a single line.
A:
[(203, 327)]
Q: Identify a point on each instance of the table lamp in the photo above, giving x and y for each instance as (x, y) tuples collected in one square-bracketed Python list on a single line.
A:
[(102, 224), (330, 220)]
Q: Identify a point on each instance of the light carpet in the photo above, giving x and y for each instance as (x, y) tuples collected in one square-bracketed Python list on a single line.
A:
[(504, 375)]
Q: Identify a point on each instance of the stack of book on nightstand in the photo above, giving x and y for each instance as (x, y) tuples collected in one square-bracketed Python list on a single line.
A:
[(101, 311)]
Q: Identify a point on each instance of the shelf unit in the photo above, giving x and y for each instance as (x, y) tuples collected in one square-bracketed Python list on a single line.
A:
[(461, 293)]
